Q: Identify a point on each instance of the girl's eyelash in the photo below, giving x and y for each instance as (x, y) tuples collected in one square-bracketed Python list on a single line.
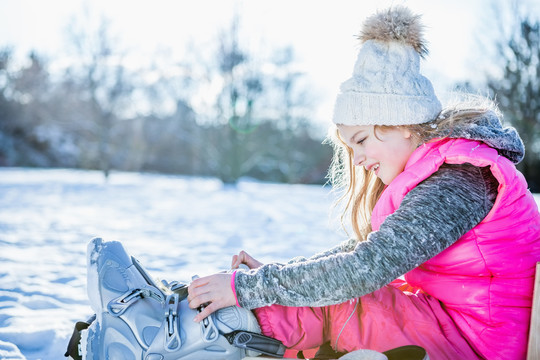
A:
[(359, 142)]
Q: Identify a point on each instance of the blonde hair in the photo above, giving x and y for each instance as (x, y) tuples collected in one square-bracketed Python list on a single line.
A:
[(359, 190)]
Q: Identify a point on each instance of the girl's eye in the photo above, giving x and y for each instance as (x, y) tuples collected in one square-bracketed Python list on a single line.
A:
[(361, 141)]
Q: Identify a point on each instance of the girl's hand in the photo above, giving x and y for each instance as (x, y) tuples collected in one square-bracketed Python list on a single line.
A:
[(244, 258), (214, 291)]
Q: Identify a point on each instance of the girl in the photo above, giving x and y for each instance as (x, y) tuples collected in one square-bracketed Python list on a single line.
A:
[(433, 195)]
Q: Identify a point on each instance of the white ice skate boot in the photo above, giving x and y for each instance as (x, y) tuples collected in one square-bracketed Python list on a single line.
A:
[(409, 352), (139, 319)]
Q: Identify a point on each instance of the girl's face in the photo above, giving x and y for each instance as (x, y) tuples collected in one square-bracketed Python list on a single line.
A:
[(385, 154)]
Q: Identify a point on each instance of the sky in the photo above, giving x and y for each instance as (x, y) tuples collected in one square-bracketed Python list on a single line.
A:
[(322, 33)]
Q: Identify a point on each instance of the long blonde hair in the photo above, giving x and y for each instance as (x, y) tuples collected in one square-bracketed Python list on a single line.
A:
[(359, 190)]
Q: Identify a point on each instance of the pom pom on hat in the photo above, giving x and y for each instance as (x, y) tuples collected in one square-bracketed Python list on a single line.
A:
[(386, 87), (398, 24)]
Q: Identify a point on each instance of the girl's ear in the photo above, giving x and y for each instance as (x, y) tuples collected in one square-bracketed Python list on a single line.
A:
[(407, 133)]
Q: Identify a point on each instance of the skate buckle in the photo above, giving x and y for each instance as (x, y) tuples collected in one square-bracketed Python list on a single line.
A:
[(209, 330), (118, 306), (172, 338)]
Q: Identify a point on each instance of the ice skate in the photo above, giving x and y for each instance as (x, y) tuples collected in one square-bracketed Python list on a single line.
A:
[(408, 352), (137, 318)]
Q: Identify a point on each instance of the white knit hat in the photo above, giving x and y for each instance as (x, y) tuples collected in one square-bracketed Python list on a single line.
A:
[(386, 87)]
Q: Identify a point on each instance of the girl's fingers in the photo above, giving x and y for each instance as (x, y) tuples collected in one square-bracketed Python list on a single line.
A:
[(235, 263), (250, 261), (246, 259), (196, 300), (197, 283), (214, 292), (241, 258), (207, 311)]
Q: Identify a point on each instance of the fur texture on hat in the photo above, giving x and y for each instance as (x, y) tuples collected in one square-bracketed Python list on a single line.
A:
[(386, 87), (398, 24)]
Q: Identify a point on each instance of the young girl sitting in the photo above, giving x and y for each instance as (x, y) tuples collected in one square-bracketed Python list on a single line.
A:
[(433, 197)]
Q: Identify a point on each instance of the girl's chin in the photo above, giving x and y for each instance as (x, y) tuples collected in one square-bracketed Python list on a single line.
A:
[(387, 180)]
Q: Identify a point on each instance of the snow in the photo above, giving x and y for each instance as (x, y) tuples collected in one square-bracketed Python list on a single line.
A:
[(176, 226)]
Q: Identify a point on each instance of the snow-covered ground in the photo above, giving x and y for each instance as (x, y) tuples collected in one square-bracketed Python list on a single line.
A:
[(175, 226)]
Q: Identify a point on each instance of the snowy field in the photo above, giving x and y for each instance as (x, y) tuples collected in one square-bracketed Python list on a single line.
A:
[(175, 226)]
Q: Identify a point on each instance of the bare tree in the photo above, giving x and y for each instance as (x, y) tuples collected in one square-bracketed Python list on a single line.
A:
[(293, 101), (104, 85), (171, 133), (242, 87), (28, 136), (517, 89)]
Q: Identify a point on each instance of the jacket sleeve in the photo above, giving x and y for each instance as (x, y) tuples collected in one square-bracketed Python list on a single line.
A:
[(345, 246), (432, 216)]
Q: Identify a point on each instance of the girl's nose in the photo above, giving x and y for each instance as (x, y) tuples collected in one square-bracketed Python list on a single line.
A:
[(358, 158)]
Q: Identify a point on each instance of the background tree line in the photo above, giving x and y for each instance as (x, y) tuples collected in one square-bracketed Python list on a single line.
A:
[(229, 115), (517, 85)]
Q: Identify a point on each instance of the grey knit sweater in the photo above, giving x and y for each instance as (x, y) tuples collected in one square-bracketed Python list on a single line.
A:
[(431, 217)]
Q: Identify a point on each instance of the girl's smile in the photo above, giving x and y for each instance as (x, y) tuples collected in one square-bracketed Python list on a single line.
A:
[(385, 151)]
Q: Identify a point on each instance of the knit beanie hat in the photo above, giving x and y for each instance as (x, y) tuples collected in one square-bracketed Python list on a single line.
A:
[(386, 87)]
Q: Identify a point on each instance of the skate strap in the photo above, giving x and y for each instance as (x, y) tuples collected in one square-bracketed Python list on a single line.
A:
[(118, 306), (180, 289), (73, 349), (256, 342)]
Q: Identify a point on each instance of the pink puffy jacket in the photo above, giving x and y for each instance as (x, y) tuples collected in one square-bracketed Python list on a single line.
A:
[(485, 280), (475, 296)]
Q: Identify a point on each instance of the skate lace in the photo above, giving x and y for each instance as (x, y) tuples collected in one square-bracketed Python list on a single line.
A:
[(118, 306)]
